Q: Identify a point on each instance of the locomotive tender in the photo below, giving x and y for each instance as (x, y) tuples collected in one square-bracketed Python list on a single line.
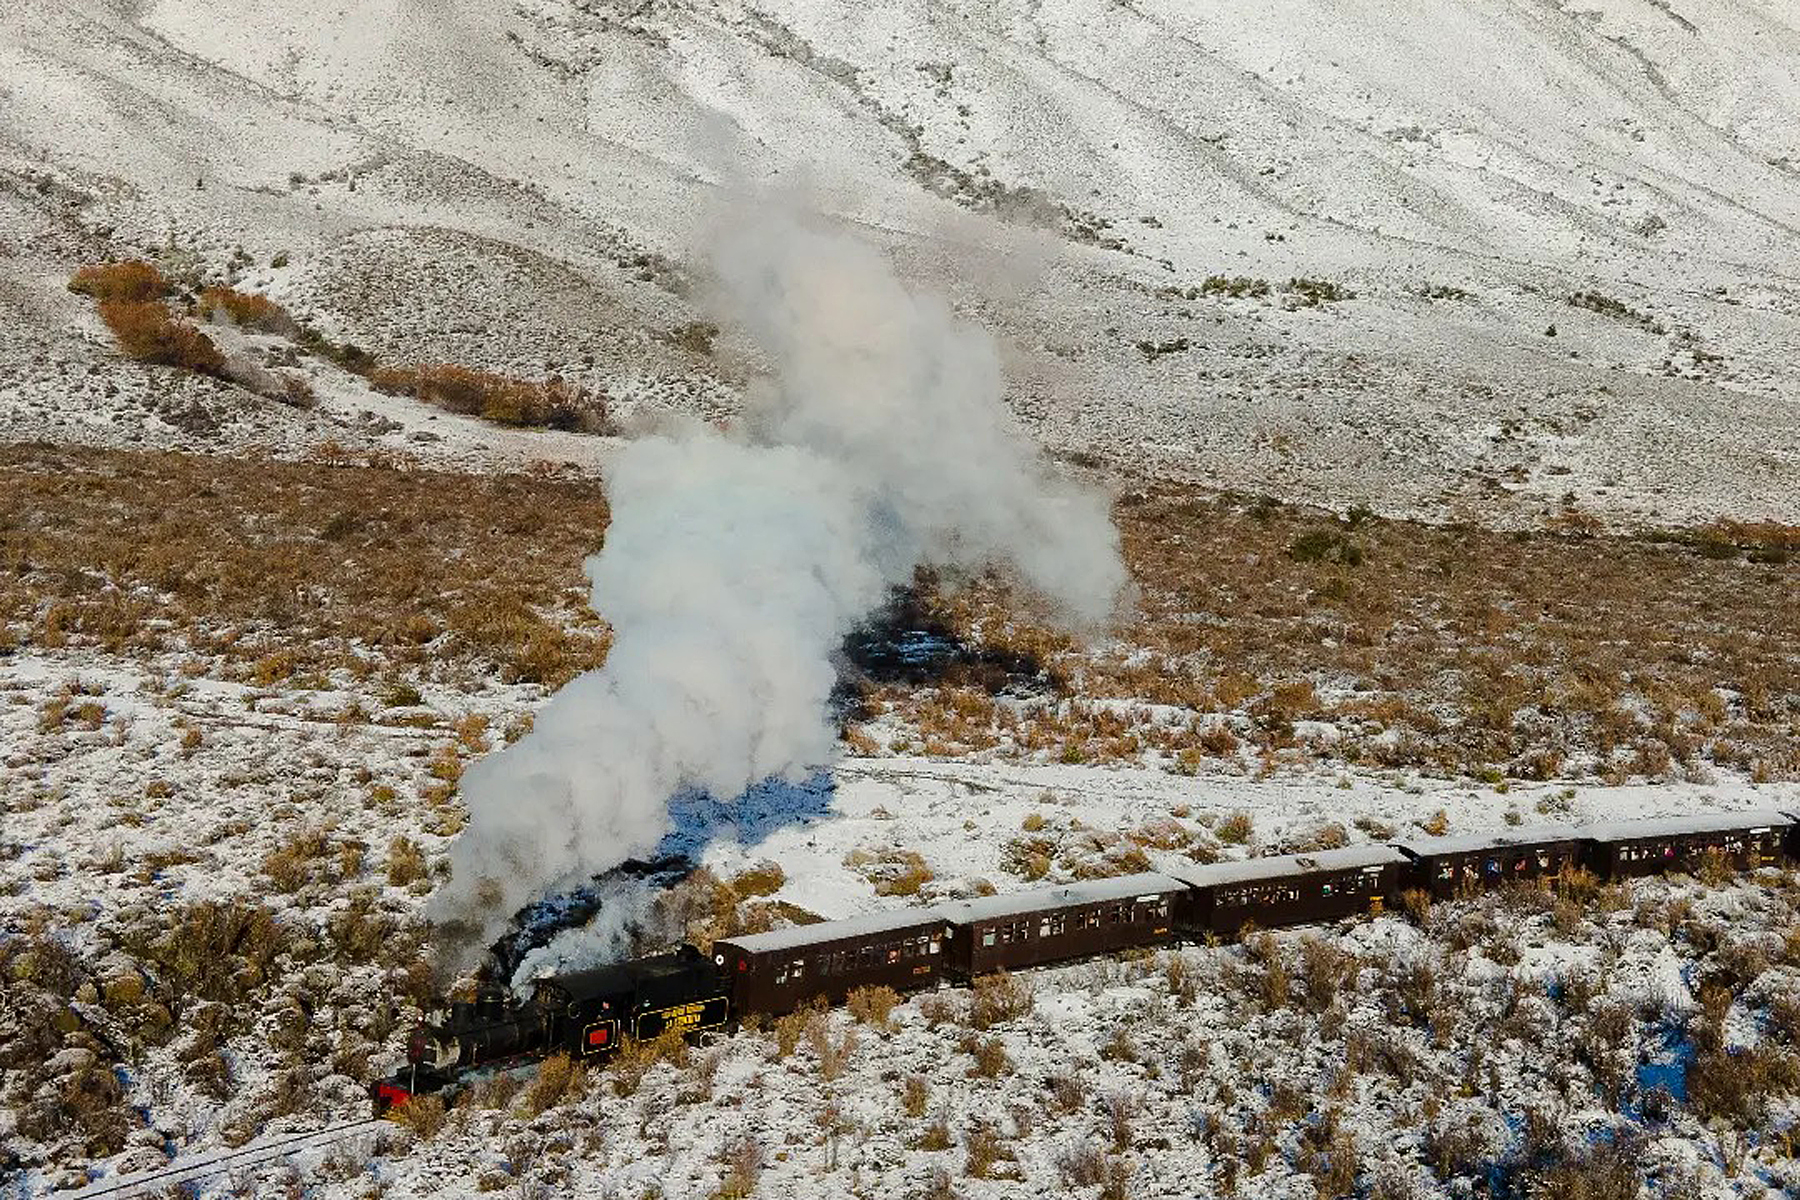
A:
[(587, 1014)]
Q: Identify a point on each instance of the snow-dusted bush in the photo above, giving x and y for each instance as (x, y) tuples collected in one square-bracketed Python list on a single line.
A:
[(998, 998)]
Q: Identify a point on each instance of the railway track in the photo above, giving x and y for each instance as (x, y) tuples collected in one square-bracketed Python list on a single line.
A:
[(260, 1154)]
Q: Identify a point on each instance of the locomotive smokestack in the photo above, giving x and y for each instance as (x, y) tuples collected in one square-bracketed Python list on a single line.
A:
[(735, 565)]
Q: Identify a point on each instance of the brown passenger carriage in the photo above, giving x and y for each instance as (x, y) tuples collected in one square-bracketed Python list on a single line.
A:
[(1747, 838), (1446, 866), (1290, 889), (1054, 924), (779, 971)]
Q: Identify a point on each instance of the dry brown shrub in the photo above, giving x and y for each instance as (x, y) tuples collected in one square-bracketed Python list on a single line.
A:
[(938, 1008), (1067, 1091), (789, 1028), (935, 1135), (1183, 984), (1236, 828), (872, 1005), (763, 879), (1119, 1045), (149, 332), (894, 872), (991, 1058), (985, 1149), (297, 861), (1082, 1166), (633, 1059), (833, 1053), (915, 1094), (1324, 970), (998, 998), (424, 1115), (405, 861), (553, 403), (1119, 1109), (246, 311), (744, 1159), (558, 1081), (133, 281)]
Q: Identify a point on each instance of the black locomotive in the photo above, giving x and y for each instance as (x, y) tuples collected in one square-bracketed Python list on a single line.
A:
[(588, 1014)]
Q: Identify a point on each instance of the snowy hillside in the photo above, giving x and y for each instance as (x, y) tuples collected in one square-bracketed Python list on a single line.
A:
[(528, 186)]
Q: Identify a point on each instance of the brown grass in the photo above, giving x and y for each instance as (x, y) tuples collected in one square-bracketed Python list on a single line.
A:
[(1471, 650), (281, 570)]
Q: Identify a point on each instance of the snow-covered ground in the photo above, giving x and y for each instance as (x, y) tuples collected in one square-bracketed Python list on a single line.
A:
[(531, 187), (118, 811)]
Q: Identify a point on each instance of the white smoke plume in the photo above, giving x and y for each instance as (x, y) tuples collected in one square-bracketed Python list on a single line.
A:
[(735, 566)]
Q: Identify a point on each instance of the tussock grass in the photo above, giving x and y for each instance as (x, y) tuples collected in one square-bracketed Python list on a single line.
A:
[(280, 572), (1445, 649)]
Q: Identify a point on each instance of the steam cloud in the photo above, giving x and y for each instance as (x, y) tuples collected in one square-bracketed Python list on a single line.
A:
[(734, 567)]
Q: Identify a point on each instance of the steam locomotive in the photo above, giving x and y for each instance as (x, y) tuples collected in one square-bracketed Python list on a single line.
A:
[(589, 1014)]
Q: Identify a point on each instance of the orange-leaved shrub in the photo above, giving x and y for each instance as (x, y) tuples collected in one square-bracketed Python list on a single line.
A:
[(147, 331), (246, 310), (133, 280), (554, 403)]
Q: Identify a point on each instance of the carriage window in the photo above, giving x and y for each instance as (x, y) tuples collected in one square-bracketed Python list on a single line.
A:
[(798, 968), (987, 937), (1446, 871), (1325, 889), (893, 954), (1044, 928), (934, 945)]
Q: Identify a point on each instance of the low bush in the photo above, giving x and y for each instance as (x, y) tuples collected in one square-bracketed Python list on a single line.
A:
[(991, 1058), (133, 281), (424, 1115), (559, 1080), (743, 1159), (405, 862), (985, 1149), (915, 1094), (997, 998), (833, 1053), (1236, 828), (245, 310), (553, 403), (763, 879), (872, 1005), (147, 331)]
